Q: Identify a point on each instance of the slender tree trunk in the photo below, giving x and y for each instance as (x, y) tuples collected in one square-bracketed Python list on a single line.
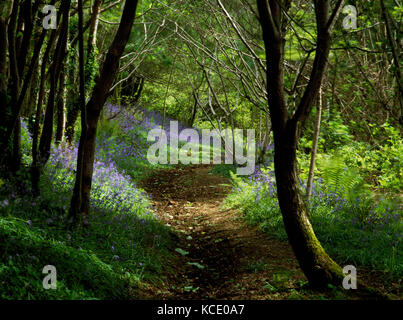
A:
[(16, 156), (396, 57), (194, 111), (72, 115), (60, 105), (81, 203), (195, 104), (73, 101), (139, 90), (26, 14), (319, 268), (92, 37), (91, 44), (55, 69), (314, 147), (17, 96), (166, 94), (14, 90), (76, 200), (4, 112), (19, 51), (32, 96), (266, 140), (47, 131), (35, 167)]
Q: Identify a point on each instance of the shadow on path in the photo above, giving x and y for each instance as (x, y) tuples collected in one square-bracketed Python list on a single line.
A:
[(217, 255), (222, 257)]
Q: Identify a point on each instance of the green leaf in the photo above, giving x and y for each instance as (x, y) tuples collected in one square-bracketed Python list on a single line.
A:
[(198, 265), (181, 251)]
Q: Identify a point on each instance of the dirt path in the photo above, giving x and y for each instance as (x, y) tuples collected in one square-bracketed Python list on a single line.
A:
[(223, 258), (218, 256)]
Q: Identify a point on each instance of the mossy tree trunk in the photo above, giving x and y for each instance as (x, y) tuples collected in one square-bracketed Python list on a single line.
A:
[(318, 267)]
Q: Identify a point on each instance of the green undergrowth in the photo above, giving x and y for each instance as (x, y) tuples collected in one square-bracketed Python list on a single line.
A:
[(122, 248), (111, 258), (354, 225)]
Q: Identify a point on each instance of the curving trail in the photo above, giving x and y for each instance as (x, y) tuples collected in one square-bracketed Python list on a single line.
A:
[(225, 259), (218, 256)]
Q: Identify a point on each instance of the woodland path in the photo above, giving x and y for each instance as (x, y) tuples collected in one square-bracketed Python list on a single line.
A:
[(222, 257)]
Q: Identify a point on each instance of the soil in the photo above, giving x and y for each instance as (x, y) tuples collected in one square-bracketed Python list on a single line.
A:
[(217, 255)]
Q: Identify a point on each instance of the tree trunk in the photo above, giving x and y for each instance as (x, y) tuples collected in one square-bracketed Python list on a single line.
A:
[(17, 97), (16, 155), (166, 94), (396, 57), (91, 44), (73, 101), (194, 111), (314, 147), (35, 168), (47, 131), (72, 115), (60, 109), (138, 90), (76, 200), (81, 203), (266, 139), (55, 69), (18, 51), (92, 37), (318, 267), (13, 84), (26, 13), (4, 112)]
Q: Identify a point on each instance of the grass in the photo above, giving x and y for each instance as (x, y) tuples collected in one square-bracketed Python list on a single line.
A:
[(81, 274)]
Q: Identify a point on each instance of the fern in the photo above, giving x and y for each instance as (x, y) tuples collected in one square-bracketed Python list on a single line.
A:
[(339, 178)]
